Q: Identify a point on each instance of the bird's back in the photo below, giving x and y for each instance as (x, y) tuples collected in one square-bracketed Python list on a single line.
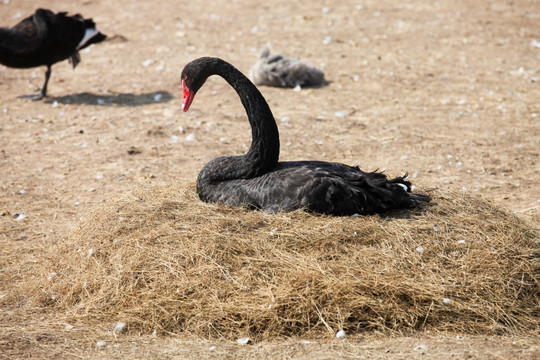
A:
[(20, 44), (324, 187)]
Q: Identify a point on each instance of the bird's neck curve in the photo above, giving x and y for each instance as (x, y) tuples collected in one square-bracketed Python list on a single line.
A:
[(263, 154)]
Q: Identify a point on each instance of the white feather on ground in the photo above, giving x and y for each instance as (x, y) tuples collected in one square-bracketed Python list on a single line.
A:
[(276, 70)]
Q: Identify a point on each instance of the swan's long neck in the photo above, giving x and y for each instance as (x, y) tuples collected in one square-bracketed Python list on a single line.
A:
[(263, 153)]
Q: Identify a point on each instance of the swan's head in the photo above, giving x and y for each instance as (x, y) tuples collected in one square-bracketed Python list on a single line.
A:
[(194, 76), (191, 83)]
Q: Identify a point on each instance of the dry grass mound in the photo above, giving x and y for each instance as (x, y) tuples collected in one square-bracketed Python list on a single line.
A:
[(159, 259)]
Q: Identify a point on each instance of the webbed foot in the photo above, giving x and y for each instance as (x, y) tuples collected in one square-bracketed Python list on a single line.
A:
[(33, 97)]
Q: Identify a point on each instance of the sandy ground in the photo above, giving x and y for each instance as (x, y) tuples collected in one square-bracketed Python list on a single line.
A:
[(448, 91)]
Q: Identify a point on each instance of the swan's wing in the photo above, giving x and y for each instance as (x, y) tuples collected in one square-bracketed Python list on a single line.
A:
[(323, 187), (31, 26), (71, 34), (339, 189), (20, 39)]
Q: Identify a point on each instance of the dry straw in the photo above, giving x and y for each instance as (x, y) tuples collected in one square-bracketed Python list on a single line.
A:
[(161, 260)]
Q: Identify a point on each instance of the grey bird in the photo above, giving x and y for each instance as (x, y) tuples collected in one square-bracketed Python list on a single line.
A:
[(276, 70)]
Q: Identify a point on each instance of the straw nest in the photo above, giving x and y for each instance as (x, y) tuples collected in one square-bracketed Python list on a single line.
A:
[(161, 260)]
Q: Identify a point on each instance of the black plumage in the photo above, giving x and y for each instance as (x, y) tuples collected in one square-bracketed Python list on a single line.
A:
[(46, 38), (257, 180)]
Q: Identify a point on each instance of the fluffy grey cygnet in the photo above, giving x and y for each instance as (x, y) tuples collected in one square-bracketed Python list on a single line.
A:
[(279, 71)]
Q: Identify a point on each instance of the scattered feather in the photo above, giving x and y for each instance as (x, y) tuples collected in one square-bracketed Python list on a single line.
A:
[(120, 326), (147, 62), (19, 217), (243, 341), (51, 275)]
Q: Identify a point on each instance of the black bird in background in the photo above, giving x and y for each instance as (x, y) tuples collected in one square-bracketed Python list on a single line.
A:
[(46, 38)]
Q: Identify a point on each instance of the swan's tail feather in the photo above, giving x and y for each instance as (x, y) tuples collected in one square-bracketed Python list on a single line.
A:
[(375, 193), (402, 196)]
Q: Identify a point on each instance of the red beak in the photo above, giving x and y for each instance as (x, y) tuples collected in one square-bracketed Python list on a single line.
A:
[(188, 96)]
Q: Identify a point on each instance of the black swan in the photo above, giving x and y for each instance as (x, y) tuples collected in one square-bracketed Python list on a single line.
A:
[(46, 38), (257, 180), (276, 70)]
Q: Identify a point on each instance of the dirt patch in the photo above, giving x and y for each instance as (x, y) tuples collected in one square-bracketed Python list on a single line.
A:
[(447, 91)]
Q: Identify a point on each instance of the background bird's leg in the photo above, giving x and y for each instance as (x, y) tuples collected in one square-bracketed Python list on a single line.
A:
[(47, 76), (43, 92)]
